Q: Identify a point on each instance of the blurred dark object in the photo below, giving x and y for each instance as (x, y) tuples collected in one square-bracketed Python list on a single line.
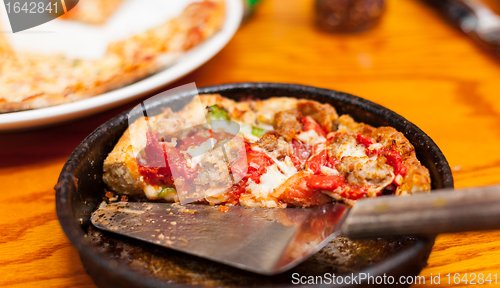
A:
[(348, 15), (474, 18)]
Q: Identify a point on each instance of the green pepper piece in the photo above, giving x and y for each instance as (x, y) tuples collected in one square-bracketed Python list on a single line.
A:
[(166, 191), (259, 132), (217, 113)]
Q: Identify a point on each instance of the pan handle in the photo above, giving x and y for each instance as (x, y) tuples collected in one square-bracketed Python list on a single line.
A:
[(445, 211)]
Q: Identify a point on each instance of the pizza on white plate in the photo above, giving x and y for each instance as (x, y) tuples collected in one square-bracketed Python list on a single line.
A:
[(30, 80), (284, 152)]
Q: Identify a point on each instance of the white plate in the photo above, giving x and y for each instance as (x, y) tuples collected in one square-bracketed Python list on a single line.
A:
[(86, 41)]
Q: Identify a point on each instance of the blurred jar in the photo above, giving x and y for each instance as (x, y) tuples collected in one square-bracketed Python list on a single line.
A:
[(348, 15)]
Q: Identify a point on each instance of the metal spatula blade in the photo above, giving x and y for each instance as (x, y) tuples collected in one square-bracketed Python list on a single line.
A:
[(265, 241), (270, 241)]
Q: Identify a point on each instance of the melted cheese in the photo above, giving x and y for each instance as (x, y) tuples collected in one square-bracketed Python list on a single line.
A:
[(246, 131), (268, 182), (194, 161), (350, 149), (285, 166), (328, 171), (276, 174), (204, 147), (375, 146), (197, 152), (311, 137), (152, 191)]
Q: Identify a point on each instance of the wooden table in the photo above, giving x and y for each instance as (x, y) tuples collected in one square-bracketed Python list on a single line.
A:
[(413, 63)]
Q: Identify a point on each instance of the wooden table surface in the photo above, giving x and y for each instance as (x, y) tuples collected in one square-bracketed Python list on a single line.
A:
[(413, 63)]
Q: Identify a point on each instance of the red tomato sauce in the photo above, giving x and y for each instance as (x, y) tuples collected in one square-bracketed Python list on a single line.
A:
[(257, 163), (321, 159), (395, 160), (235, 192), (393, 157), (333, 182), (163, 161), (299, 194), (308, 123), (366, 141)]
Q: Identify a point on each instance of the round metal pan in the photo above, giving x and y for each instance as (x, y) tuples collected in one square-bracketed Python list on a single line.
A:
[(80, 189)]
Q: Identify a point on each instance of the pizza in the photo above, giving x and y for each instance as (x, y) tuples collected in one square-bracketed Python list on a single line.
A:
[(29, 81), (278, 152), (92, 11)]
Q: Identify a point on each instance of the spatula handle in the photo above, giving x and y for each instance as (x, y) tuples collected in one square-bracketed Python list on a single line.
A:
[(445, 211)]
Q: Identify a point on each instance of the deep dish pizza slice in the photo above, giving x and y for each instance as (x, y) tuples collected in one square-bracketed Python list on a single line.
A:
[(286, 152)]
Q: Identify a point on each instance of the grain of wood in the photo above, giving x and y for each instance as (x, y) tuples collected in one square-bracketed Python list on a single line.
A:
[(413, 63)]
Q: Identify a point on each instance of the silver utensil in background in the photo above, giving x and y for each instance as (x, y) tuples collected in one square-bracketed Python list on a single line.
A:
[(474, 18)]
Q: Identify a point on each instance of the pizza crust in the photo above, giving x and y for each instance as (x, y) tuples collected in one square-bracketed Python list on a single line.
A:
[(121, 172)]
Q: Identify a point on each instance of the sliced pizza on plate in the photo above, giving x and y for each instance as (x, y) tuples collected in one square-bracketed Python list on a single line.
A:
[(30, 81)]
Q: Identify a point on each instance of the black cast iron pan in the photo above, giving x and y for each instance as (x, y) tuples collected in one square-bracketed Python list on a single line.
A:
[(113, 261)]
